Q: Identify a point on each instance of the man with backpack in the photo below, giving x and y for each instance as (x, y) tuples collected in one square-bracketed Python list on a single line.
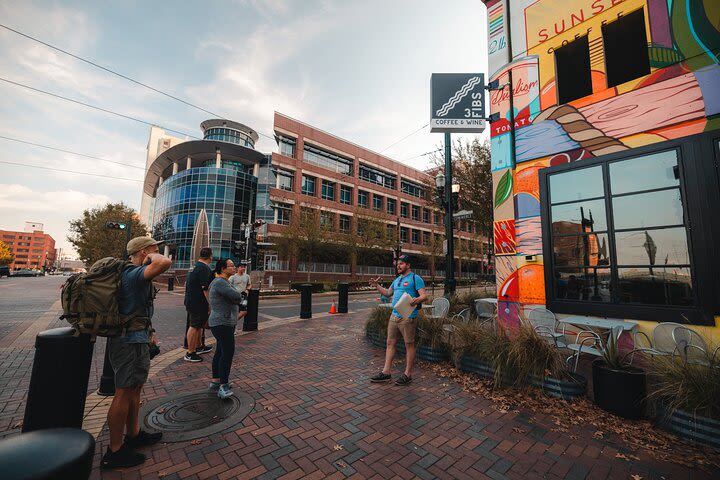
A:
[(129, 353), (410, 283)]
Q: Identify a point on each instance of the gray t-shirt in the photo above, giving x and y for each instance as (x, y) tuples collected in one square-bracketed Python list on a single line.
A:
[(240, 282)]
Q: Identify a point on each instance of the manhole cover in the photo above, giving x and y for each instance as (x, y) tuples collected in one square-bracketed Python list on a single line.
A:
[(194, 415)]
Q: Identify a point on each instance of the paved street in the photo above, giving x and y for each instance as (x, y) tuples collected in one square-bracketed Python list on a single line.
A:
[(315, 413)]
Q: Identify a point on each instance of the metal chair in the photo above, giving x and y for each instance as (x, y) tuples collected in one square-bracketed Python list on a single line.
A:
[(690, 345), (546, 325), (439, 309), (586, 341), (485, 311), (463, 316)]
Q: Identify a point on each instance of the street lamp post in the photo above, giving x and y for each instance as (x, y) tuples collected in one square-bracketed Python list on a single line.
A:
[(448, 192)]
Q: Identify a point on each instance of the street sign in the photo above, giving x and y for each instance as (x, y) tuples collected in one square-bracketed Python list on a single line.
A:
[(463, 215), (457, 102)]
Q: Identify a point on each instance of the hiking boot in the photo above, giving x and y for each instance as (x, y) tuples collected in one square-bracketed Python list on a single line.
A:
[(143, 439), (123, 458), (381, 378), (192, 357), (204, 349), (403, 380), (225, 392)]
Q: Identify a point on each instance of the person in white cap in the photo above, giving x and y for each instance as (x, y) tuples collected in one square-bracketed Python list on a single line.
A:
[(130, 354)]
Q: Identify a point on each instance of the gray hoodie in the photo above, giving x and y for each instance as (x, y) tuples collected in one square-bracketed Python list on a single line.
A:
[(224, 301)]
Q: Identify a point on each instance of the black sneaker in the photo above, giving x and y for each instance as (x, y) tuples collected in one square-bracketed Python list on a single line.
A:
[(403, 380), (143, 439), (123, 458), (381, 378), (204, 349), (192, 357)]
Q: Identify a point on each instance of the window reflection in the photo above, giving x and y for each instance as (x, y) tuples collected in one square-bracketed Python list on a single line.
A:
[(644, 173), (590, 284), (666, 246), (654, 209), (572, 218), (575, 250), (577, 185), (656, 285)]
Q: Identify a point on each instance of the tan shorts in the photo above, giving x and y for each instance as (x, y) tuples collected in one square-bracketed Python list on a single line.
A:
[(406, 326)]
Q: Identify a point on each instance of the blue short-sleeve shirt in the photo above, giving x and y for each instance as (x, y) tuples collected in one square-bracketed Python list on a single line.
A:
[(410, 283), (135, 295)]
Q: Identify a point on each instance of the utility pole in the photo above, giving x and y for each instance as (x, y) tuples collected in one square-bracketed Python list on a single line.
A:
[(449, 257)]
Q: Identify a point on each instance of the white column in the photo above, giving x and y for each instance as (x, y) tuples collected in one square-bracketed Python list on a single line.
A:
[(189, 163), (218, 162), (175, 168), (166, 251), (256, 170)]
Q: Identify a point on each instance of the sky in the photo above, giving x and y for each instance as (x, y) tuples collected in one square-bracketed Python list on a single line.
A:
[(357, 69)]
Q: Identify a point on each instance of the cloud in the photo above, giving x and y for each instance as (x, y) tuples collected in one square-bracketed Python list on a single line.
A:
[(54, 209)]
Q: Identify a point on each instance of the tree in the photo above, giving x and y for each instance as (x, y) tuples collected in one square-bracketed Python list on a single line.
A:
[(6, 255), (93, 241), (303, 238)]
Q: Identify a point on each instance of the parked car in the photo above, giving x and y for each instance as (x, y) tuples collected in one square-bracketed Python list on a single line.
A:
[(4, 271), (24, 272)]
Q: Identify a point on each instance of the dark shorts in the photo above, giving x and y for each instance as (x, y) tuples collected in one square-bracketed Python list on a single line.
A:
[(198, 320), (130, 362)]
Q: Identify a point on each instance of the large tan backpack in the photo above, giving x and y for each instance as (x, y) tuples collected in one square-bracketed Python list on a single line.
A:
[(90, 301)]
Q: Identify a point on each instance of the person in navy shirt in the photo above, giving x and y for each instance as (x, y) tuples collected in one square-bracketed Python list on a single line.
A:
[(412, 284)]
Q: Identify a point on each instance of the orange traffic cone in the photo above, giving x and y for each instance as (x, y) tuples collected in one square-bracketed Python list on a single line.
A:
[(332, 307)]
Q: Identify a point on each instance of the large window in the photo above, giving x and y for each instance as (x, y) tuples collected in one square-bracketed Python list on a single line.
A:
[(284, 179), (617, 237), (377, 202), (308, 185), (416, 213), (344, 224), (404, 207), (363, 198), (391, 206), (626, 48), (283, 213), (328, 190), (327, 220), (287, 146), (412, 188), (325, 159), (376, 176), (403, 234), (415, 236), (346, 195)]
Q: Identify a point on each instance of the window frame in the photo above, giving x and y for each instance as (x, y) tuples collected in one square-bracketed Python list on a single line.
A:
[(699, 184), (327, 185), (302, 185), (366, 195), (346, 189)]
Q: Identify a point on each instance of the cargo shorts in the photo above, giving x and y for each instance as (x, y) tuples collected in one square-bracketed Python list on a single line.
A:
[(129, 361), (406, 327), (198, 320)]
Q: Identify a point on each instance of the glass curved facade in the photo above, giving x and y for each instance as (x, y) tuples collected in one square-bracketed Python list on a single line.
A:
[(226, 194), (229, 135)]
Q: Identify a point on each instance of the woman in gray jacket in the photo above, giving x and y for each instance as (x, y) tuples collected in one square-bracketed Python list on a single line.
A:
[(224, 305)]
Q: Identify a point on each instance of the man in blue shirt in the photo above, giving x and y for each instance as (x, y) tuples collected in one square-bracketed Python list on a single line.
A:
[(410, 283), (130, 354)]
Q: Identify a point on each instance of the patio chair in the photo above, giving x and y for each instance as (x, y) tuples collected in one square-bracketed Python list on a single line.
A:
[(463, 316), (485, 311), (690, 345), (439, 308), (586, 341), (546, 325), (662, 341)]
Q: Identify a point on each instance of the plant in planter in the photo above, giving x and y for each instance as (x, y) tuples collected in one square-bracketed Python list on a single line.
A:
[(686, 396), (532, 360), (376, 325), (429, 339), (618, 387), (480, 348)]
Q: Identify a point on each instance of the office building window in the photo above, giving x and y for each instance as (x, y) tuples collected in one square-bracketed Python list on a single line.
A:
[(626, 48), (308, 185), (403, 234), (283, 213), (284, 179), (327, 220), (572, 64), (426, 238), (370, 174), (426, 215), (412, 188), (391, 206), (377, 202), (344, 224), (362, 199), (323, 158), (404, 207), (415, 236), (287, 146), (328, 190), (346, 195), (416, 213)]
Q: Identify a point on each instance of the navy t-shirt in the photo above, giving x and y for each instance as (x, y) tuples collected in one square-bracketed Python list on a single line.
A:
[(198, 281)]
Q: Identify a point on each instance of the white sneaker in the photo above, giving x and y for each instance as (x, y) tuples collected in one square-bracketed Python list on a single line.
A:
[(225, 392)]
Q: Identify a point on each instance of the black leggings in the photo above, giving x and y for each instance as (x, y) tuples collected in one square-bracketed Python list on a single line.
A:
[(224, 352)]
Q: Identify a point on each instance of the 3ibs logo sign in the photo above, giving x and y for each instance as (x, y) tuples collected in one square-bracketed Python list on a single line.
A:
[(457, 102)]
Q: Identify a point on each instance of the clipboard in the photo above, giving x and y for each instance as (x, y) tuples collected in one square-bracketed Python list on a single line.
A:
[(403, 307)]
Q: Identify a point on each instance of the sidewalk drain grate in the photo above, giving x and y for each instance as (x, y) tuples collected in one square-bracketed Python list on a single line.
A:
[(194, 415)]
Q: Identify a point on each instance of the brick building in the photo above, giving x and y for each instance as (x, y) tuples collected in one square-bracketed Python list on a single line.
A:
[(32, 248)]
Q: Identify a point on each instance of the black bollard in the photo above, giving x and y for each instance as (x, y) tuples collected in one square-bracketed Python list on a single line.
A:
[(343, 297), (305, 300), (59, 380), (46, 454), (107, 380), (171, 284), (250, 321)]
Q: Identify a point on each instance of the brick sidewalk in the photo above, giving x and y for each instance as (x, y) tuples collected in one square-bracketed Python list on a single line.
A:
[(317, 416)]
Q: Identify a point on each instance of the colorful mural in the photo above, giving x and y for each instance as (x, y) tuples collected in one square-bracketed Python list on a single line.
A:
[(684, 55)]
